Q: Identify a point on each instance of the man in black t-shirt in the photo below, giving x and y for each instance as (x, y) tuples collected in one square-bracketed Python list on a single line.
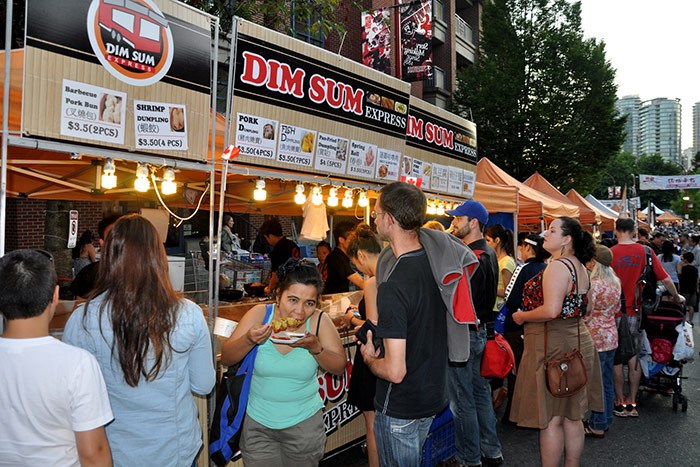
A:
[(412, 370), (476, 439), (282, 249), (340, 272)]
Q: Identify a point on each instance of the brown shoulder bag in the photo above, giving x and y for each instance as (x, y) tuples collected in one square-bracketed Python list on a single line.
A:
[(566, 375)]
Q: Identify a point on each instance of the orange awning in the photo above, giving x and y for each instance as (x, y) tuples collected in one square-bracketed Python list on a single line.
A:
[(587, 216), (667, 216), (607, 222)]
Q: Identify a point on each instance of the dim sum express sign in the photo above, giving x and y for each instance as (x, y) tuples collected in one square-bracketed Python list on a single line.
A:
[(132, 40)]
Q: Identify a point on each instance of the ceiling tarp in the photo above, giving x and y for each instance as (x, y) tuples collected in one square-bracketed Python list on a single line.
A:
[(587, 216), (607, 221), (529, 198)]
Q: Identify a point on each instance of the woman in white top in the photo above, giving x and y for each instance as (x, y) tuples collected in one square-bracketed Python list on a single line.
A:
[(670, 261)]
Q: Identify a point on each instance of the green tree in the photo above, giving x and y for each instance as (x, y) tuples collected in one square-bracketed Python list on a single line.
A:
[(620, 170), (542, 96)]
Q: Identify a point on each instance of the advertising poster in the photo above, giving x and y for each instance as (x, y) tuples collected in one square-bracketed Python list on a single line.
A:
[(416, 40), (256, 136), (296, 145), (283, 79), (139, 50), (388, 165), (440, 177), (454, 183), (331, 154), (363, 158), (92, 113), (160, 125), (468, 183), (377, 39)]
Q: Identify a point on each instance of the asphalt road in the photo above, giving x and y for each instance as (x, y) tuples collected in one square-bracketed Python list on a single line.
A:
[(659, 437)]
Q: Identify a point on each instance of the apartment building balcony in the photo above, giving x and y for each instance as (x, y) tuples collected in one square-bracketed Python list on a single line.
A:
[(466, 50), (439, 24), (435, 91)]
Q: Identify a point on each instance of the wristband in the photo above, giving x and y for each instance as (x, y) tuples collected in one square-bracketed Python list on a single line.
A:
[(316, 353)]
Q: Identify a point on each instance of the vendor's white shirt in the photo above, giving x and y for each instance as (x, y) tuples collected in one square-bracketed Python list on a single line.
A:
[(48, 391)]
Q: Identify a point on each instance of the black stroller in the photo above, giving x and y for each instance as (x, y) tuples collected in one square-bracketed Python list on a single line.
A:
[(663, 374)]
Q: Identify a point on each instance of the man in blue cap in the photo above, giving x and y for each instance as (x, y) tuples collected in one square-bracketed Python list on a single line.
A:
[(470, 394)]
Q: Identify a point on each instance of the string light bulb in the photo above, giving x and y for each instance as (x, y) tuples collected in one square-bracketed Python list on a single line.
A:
[(109, 179), (431, 208), (168, 185), (141, 183), (316, 196), (300, 197), (259, 194), (363, 201), (332, 197), (347, 198)]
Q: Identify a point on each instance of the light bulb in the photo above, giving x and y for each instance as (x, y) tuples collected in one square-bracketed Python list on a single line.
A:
[(347, 198), (109, 179), (168, 185), (259, 194), (142, 184), (431, 208), (363, 202), (300, 197), (440, 210), (316, 196), (332, 197)]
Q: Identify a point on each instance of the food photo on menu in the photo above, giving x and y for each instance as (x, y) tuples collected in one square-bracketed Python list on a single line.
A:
[(342, 149), (177, 119), (268, 131), (110, 108)]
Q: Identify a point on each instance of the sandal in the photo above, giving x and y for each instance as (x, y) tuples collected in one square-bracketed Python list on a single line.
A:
[(632, 411), (590, 433), (619, 410)]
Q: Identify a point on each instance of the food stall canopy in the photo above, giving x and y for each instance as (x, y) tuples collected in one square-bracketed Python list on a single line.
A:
[(587, 216), (497, 198), (488, 172), (607, 221), (668, 216)]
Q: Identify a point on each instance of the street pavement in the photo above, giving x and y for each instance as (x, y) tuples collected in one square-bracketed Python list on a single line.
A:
[(659, 437)]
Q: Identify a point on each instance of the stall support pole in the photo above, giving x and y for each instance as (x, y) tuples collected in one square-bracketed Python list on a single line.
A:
[(5, 126)]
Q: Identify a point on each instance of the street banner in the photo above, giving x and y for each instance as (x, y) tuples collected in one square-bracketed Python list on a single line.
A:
[(416, 40), (671, 182), (377, 39), (131, 75)]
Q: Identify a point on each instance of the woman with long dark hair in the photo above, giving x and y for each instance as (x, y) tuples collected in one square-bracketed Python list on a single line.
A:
[(554, 301), (153, 347), (283, 424), (501, 240)]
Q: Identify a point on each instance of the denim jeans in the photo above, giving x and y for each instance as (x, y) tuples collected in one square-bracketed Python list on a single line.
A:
[(602, 420), (400, 441), (472, 406)]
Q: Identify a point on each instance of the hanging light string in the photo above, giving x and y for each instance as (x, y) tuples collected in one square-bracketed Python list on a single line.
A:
[(160, 198)]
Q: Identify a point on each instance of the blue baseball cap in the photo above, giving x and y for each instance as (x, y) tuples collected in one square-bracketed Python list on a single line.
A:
[(471, 209)]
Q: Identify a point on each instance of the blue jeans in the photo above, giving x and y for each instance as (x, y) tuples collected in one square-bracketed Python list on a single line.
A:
[(472, 406), (602, 420), (400, 441)]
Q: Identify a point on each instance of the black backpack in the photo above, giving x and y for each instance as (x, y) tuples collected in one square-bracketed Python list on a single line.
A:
[(645, 298)]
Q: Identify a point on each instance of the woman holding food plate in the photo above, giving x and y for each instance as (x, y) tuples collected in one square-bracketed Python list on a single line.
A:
[(284, 419)]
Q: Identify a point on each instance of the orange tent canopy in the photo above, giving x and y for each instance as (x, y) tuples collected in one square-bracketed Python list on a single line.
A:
[(607, 222), (667, 216), (533, 205), (497, 198), (587, 216)]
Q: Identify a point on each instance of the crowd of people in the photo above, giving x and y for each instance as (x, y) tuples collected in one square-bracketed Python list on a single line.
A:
[(119, 388)]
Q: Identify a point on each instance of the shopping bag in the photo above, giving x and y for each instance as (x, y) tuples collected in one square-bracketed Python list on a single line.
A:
[(685, 346), (498, 359), (626, 343)]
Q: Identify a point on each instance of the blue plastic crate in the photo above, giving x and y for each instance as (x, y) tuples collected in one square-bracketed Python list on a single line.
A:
[(440, 444)]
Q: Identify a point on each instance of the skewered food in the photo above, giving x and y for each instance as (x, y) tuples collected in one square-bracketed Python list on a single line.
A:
[(281, 324)]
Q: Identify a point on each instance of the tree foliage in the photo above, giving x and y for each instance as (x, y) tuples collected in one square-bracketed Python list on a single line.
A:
[(542, 96)]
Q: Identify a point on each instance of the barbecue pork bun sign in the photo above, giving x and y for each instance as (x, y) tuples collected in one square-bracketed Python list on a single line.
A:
[(131, 39)]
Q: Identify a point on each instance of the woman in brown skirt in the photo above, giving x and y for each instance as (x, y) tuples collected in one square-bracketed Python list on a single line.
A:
[(557, 298)]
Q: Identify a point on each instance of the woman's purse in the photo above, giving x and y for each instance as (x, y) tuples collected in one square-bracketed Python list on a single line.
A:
[(626, 344), (567, 375), (231, 402)]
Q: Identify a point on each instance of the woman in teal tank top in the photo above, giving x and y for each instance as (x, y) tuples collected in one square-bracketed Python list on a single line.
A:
[(284, 416)]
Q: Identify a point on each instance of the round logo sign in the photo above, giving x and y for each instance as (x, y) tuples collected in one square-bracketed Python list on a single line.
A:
[(132, 39)]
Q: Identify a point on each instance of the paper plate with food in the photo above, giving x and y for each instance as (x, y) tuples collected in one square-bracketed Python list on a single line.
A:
[(285, 337)]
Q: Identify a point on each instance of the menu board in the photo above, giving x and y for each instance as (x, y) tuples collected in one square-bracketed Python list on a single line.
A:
[(422, 170), (255, 136), (296, 145), (388, 165), (440, 177), (92, 112), (468, 183), (363, 159), (406, 166), (331, 154), (160, 126), (454, 184)]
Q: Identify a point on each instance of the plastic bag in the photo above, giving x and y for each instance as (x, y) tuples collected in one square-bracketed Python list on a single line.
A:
[(685, 345)]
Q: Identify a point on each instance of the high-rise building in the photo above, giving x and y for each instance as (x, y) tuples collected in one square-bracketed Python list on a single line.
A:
[(629, 106), (660, 128), (696, 128)]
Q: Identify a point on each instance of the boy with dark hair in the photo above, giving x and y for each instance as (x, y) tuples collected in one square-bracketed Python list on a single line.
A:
[(282, 249), (339, 270), (53, 399)]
